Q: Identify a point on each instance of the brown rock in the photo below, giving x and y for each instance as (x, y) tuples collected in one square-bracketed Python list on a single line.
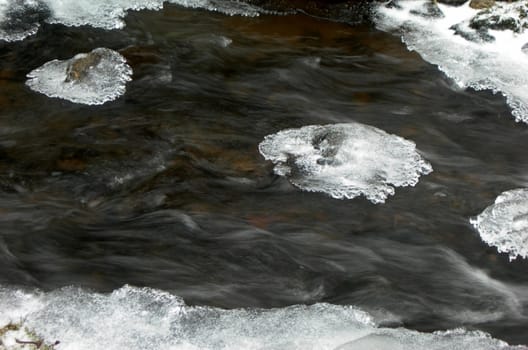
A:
[(80, 64), (481, 4)]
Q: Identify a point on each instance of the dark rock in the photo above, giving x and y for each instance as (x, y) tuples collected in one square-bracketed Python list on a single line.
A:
[(453, 2), (429, 10), (349, 11), (485, 21), (478, 36)]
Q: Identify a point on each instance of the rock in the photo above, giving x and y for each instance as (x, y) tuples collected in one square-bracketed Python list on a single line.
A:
[(512, 17), (350, 11), (429, 10), (477, 36), (80, 65), (481, 4), (453, 2)]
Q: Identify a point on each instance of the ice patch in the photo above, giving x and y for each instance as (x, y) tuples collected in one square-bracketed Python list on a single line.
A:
[(474, 56), (504, 224), (93, 78), (345, 160), (20, 18), (143, 318)]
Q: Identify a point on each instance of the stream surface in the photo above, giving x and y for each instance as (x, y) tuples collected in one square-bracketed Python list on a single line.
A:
[(165, 187)]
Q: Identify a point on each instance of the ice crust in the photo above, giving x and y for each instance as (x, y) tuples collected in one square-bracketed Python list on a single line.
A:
[(104, 81), (143, 318), (345, 160), (504, 224), (15, 24), (20, 19), (479, 59)]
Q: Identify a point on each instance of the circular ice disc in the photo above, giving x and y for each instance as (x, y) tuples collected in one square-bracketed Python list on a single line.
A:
[(93, 78), (345, 160), (504, 224)]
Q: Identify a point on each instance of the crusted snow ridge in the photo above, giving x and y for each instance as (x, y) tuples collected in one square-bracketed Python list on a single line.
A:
[(21, 18), (479, 49), (145, 318), (345, 160), (89, 78), (504, 224)]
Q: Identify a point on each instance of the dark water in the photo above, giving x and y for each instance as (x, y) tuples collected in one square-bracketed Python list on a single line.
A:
[(165, 186)]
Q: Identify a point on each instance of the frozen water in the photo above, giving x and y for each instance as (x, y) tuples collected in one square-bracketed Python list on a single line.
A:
[(504, 224), (345, 160), (94, 78), (143, 318), (107, 14), (20, 18), (481, 58)]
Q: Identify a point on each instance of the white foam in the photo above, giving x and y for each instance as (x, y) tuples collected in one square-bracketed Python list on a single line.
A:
[(104, 81), (143, 318), (106, 14), (504, 224), (499, 65), (345, 160)]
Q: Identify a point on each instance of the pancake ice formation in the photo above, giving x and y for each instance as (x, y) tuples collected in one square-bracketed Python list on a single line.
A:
[(504, 224), (345, 160), (88, 78)]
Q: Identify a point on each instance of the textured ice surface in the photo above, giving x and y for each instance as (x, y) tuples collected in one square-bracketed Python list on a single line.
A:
[(345, 160), (143, 318), (20, 18), (504, 224), (97, 77), (480, 59)]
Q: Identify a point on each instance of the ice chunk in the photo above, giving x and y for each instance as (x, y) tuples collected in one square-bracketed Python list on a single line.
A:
[(143, 318), (21, 18), (228, 7), (107, 14), (89, 78), (467, 45), (345, 160), (504, 224)]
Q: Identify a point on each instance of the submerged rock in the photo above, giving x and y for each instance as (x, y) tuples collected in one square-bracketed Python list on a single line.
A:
[(345, 160), (88, 78), (504, 224), (350, 11)]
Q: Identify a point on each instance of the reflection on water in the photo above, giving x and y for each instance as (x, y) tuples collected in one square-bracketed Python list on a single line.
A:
[(165, 187)]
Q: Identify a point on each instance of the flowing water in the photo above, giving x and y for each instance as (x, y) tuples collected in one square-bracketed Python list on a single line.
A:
[(165, 188)]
